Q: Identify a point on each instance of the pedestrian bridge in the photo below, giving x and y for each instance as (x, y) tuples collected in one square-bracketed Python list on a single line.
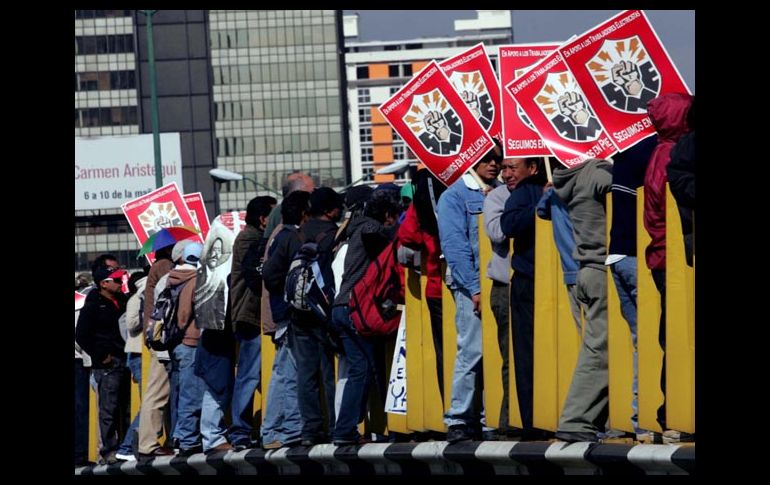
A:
[(484, 458)]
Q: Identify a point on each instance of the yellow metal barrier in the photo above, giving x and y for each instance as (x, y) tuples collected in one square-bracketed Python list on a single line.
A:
[(448, 311), (647, 322), (433, 406), (680, 326), (546, 410), (621, 348), (266, 370), (492, 361), (93, 425), (414, 370)]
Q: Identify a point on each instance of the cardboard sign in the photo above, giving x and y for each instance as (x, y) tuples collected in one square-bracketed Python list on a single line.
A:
[(163, 207), (621, 65), (552, 99), (198, 212), (473, 77), (519, 136), (437, 125), (211, 291), (80, 300)]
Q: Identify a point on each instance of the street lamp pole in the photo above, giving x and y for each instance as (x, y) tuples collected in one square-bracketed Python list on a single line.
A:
[(153, 99), (221, 175)]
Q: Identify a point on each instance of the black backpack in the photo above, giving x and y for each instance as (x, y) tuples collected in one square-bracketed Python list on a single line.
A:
[(163, 333), (305, 289)]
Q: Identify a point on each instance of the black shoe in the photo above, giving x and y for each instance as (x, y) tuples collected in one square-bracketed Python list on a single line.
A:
[(576, 436), (318, 439), (490, 435), (185, 452), (458, 432)]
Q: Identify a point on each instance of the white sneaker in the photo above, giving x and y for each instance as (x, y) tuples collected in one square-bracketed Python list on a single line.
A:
[(121, 456)]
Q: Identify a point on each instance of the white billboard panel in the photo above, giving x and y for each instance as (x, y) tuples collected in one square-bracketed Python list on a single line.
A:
[(111, 170)]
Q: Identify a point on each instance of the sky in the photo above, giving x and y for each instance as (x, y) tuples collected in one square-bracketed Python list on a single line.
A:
[(676, 28)]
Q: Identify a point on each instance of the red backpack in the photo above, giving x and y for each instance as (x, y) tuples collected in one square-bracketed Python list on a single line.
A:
[(377, 299)]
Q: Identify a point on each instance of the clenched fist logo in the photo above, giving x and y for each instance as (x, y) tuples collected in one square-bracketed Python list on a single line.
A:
[(571, 105), (435, 124), (626, 75)]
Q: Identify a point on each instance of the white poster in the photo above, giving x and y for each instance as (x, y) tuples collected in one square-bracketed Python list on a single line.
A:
[(395, 401), (111, 170)]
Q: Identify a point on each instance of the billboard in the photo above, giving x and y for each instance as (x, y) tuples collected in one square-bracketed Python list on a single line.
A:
[(112, 170)]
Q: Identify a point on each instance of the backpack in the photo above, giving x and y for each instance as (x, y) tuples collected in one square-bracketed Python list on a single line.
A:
[(163, 333), (377, 299), (305, 289)]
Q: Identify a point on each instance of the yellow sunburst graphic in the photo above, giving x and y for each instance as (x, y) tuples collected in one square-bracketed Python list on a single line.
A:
[(625, 74), (422, 105), (556, 85)]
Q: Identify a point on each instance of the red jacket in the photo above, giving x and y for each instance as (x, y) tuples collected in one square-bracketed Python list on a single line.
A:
[(668, 114), (412, 236)]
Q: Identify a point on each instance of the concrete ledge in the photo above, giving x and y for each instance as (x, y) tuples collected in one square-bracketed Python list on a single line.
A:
[(485, 458)]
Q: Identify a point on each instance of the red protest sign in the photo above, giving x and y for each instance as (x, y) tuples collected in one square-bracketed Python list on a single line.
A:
[(163, 207), (473, 77), (436, 124), (198, 212), (621, 65), (519, 136), (552, 99)]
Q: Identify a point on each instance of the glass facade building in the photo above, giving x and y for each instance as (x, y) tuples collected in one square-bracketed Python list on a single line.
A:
[(278, 97), (260, 93)]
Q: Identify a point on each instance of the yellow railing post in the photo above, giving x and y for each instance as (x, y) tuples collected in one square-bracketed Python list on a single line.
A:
[(647, 324), (621, 348), (680, 326), (492, 361)]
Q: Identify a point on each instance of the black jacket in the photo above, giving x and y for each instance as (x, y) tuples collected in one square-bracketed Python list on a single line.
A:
[(98, 330), (518, 222)]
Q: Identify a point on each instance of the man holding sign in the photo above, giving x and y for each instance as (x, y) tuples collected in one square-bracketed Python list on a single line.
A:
[(458, 211)]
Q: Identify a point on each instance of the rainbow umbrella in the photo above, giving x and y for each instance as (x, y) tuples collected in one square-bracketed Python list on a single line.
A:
[(168, 236)]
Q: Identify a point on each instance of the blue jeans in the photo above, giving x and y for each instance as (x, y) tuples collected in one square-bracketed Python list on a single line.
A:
[(467, 362), (214, 365), (172, 368), (247, 380), (282, 421), (624, 275), (112, 385), (81, 411), (134, 363), (315, 368), (187, 429), (358, 354)]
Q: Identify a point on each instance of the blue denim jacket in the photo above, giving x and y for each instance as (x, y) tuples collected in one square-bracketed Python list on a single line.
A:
[(458, 211)]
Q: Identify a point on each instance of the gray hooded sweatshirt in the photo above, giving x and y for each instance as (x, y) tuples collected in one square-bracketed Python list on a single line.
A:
[(583, 189)]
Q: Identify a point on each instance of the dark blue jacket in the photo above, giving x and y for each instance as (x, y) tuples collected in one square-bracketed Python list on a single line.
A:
[(627, 176), (518, 222)]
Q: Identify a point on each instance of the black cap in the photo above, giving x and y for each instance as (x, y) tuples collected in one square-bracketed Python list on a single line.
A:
[(325, 199)]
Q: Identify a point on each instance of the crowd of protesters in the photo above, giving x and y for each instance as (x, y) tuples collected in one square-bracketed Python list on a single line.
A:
[(201, 392)]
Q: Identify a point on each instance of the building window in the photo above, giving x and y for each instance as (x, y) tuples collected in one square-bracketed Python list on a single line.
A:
[(366, 134), (367, 155), (364, 115), (393, 70), (407, 69), (394, 89), (364, 96), (362, 72), (367, 172), (398, 152)]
